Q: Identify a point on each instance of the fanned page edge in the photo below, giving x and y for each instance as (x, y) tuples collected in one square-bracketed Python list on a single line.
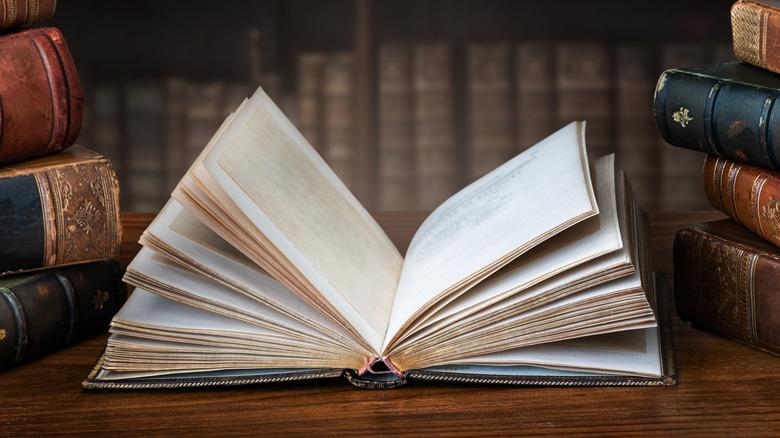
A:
[(409, 292), (378, 262)]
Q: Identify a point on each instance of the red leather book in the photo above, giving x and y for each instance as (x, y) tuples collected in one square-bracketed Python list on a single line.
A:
[(749, 194), (725, 281), (40, 94), (18, 12), (755, 27)]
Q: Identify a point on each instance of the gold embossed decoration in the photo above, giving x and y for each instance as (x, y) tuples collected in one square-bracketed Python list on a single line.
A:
[(771, 213), (749, 34), (2, 334), (100, 298), (681, 116)]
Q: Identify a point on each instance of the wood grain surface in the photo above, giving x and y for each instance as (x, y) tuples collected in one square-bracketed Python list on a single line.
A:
[(725, 389)]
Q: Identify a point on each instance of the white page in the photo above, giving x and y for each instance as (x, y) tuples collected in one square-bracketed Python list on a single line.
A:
[(574, 247), (643, 361), (537, 194)]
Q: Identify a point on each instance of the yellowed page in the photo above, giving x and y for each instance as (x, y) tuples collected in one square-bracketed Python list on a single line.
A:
[(276, 178), (532, 197)]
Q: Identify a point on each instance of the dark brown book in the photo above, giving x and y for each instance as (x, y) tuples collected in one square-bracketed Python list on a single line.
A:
[(338, 141), (58, 210), (636, 137), (18, 12), (395, 128), (536, 92), (308, 96), (42, 99), (725, 281), (489, 107), (43, 311), (584, 82), (436, 157)]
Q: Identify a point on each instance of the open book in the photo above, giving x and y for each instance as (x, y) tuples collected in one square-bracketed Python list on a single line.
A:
[(264, 267)]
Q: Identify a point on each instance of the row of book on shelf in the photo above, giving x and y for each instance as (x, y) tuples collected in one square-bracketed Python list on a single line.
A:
[(446, 114), (244, 279)]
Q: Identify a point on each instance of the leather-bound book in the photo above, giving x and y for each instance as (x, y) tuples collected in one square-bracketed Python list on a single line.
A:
[(435, 130), (57, 210), (585, 86), (18, 12), (489, 107), (755, 28), (338, 140), (42, 99), (535, 92), (395, 128), (725, 281), (749, 194), (722, 109), (46, 310)]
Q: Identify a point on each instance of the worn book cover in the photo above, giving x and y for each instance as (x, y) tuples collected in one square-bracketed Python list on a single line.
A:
[(725, 281), (56, 210)]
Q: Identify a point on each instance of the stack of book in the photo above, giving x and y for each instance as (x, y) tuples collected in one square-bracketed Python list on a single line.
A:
[(59, 220), (726, 272)]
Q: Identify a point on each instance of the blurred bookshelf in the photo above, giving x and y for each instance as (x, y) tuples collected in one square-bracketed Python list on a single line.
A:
[(408, 100)]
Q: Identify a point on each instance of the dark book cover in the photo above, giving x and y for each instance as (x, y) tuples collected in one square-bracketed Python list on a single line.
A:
[(725, 281)]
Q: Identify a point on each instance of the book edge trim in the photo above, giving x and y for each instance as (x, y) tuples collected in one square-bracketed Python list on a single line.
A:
[(667, 378)]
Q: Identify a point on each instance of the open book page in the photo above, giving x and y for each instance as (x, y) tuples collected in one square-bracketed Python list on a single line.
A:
[(168, 336), (275, 178), (633, 352), (574, 247), (530, 198), (178, 235)]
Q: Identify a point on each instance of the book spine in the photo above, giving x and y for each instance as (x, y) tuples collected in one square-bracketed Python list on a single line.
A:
[(395, 136), (680, 168), (636, 145), (584, 85), (59, 216), (42, 98), (536, 93), (43, 311), (755, 32), (338, 118), (719, 117), (727, 287), (489, 108), (308, 97), (436, 146), (748, 194), (16, 13)]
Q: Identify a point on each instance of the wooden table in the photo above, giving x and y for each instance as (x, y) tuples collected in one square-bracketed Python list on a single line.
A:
[(724, 389)]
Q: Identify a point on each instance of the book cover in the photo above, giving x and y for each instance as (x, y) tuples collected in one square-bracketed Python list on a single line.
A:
[(638, 150), (58, 210), (489, 107), (680, 168), (395, 128), (584, 85), (748, 194), (41, 93), (721, 109), (45, 310), (234, 279), (535, 86), (338, 141), (755, 29), (436, 143), (725, 281)]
